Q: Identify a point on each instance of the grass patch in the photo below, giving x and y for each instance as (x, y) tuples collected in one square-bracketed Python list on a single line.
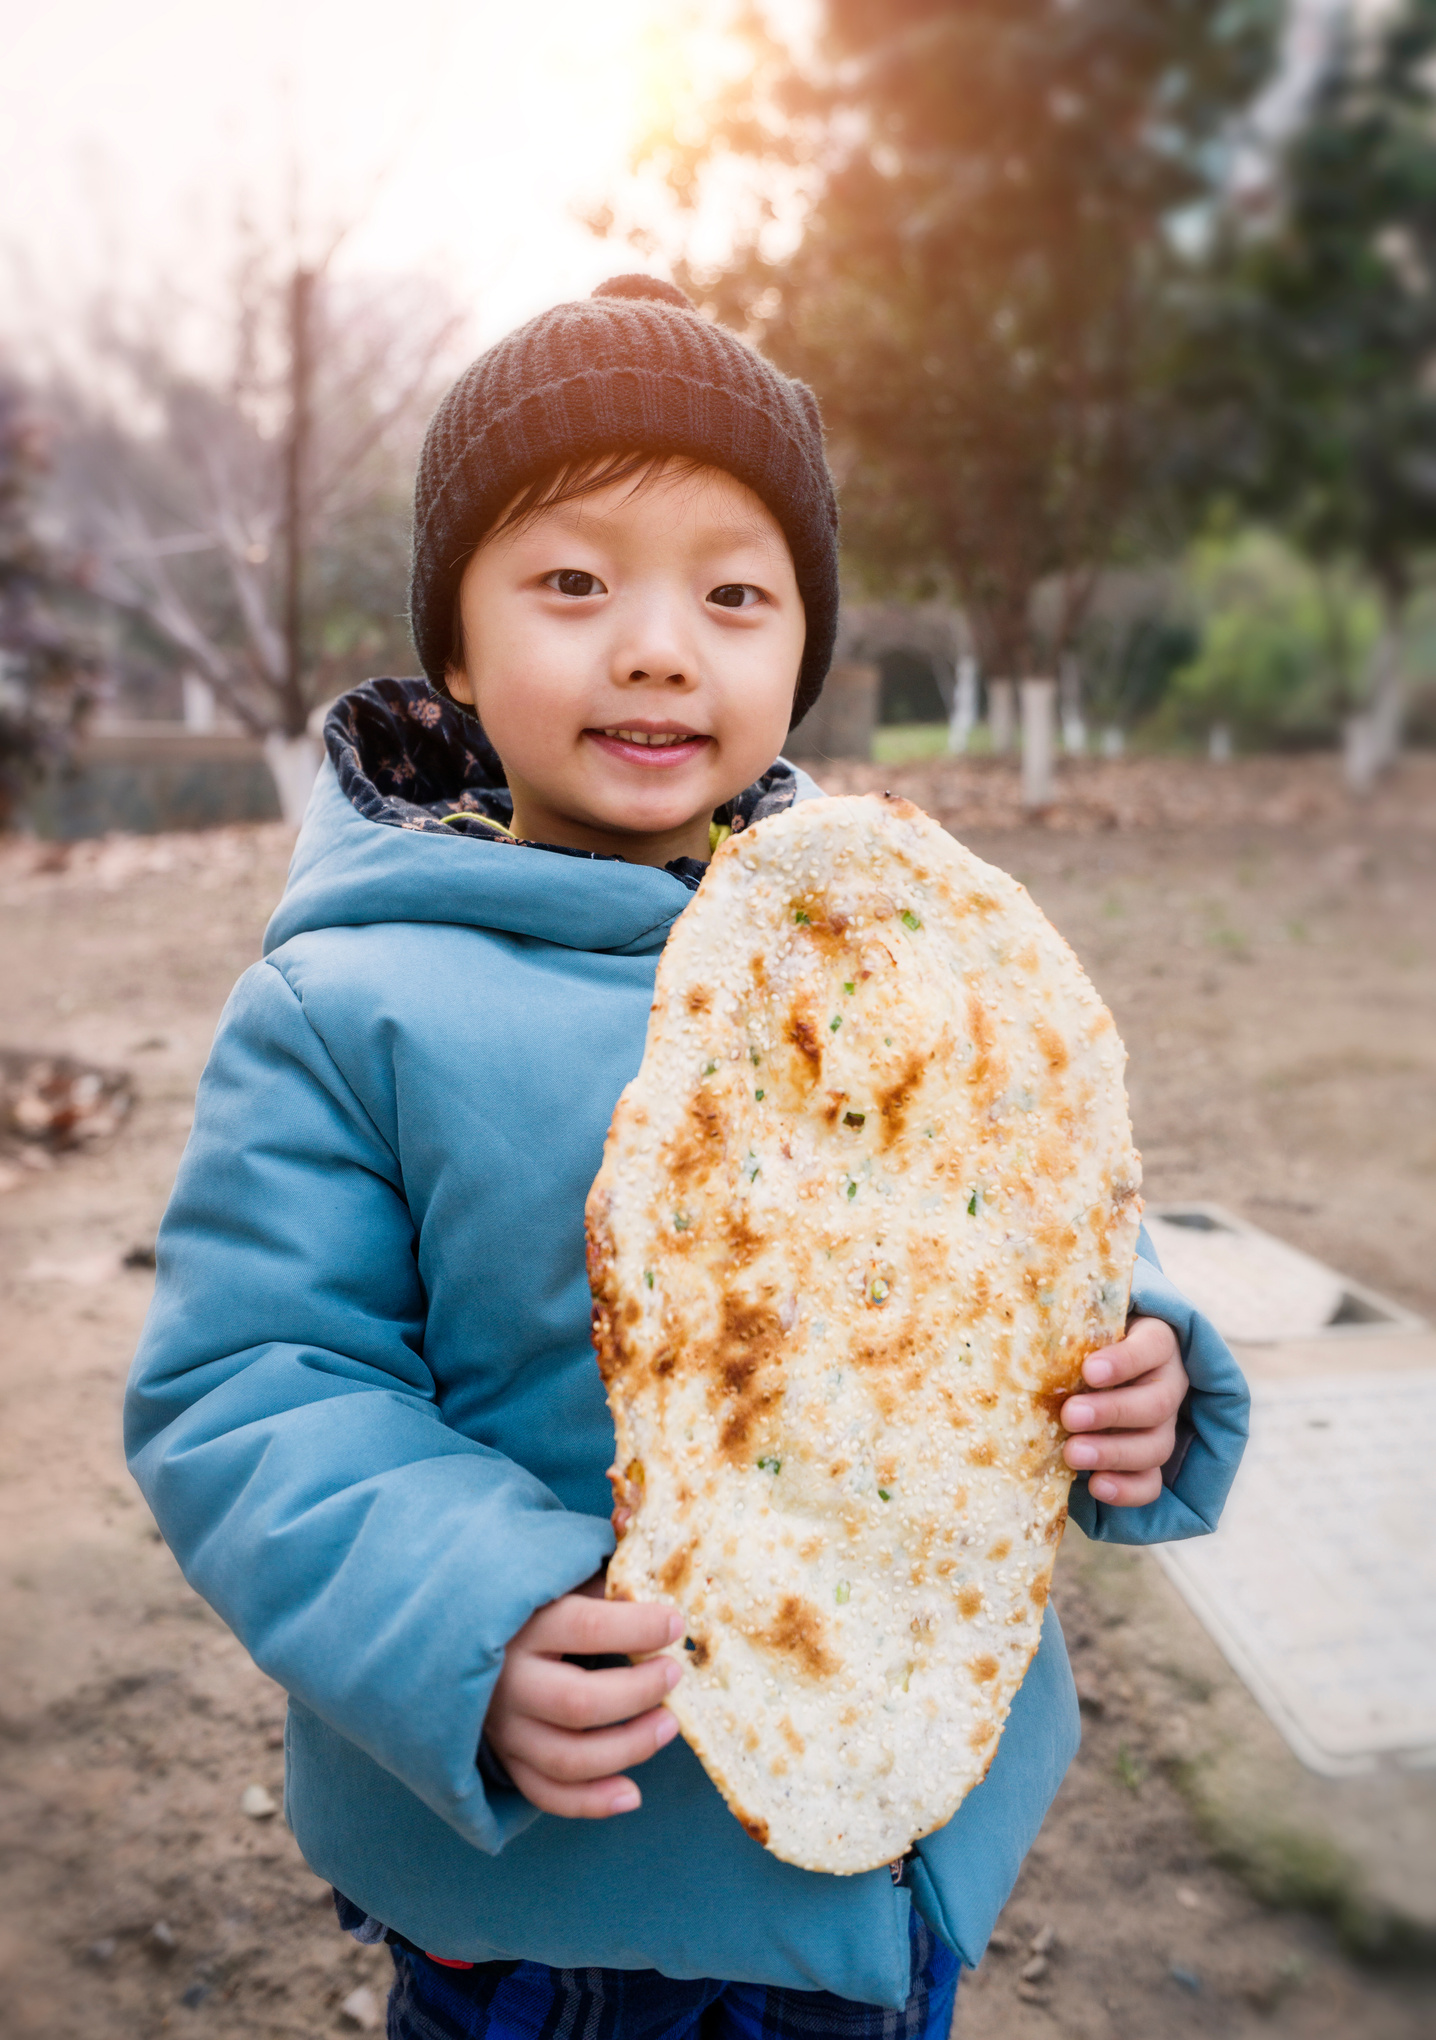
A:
[(1130, 1769), (1296, 1870), (909, 743)]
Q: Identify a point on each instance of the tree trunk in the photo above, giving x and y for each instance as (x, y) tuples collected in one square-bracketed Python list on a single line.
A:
[(963, 718), (1001, 721), (292, 754), (1069, 695), (1372, 737), (293, 706), (1038, 719), (294, 764)]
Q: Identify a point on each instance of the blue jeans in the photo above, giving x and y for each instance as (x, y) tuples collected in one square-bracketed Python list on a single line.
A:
[(529, 2001)]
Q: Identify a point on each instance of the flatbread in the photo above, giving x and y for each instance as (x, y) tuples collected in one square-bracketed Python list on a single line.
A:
[(866, 1207)]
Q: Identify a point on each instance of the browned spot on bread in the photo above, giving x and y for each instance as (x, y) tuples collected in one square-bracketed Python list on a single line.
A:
[(743, 1243), (1000, 1550), (984, 1454), (797, 1631), (791, 1736), (1047, 1402), (987, 1072), (758, 1829), (608, 1344), (895, 1100), (803, 1034), (700, 1653), (750, 1743), (1038, 1592), (982, 1735), (1056, 1526), (983, 1669), (969, 1601), (692, 1152), (745, 1371), (675, 1568), (817, 921), (698, 999)]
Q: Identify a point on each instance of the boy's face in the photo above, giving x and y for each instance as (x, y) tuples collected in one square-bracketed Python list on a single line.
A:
[(632, 656)]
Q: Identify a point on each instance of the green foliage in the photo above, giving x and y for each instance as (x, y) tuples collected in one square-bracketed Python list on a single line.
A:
[(1283, 644), (984, 290), (1309, 369)]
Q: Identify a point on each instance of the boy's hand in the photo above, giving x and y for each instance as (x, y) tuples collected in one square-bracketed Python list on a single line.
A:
[(564, 1734), (1128, 1428)]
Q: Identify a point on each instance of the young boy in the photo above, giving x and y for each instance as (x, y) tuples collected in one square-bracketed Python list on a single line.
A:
[(365, 1410)]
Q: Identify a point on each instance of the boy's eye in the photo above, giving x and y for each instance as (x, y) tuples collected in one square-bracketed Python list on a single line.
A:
[(735, 595), (574, 581)]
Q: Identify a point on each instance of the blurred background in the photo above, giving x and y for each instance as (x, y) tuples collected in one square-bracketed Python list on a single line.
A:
[(1122, 314)]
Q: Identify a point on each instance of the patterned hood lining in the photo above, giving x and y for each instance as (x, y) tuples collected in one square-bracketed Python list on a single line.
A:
[(407, 757)]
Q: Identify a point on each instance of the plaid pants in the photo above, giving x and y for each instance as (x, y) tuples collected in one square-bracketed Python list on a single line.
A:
[(529, 2001)]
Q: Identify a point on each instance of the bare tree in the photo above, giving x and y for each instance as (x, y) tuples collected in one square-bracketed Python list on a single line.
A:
[(252, 510)]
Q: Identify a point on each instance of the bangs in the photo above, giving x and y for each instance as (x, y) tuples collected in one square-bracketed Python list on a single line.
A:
[(572, 479)]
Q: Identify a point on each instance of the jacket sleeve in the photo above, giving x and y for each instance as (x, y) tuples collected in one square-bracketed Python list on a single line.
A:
[(285, 1430), (1211, 1427)]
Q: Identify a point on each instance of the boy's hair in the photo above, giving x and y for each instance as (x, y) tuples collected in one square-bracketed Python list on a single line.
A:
[(591, 393)]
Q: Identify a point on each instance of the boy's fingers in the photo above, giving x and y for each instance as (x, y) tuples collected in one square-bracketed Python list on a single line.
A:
[(1150, 1343), (570, 1758), (1127, 1490), (1122, 1451), (576, 1626), (596, 1801), (569, 1697), (1140, 1407)]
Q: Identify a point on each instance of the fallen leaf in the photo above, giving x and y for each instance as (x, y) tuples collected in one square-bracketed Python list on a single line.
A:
[(361, 2009), (257, 1804)]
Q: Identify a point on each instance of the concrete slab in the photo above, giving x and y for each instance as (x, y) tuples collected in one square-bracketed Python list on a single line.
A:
[(1320, 1584), (1258, 1290)]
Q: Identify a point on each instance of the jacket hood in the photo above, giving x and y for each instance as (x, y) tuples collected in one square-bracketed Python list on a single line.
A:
[(409, 822)]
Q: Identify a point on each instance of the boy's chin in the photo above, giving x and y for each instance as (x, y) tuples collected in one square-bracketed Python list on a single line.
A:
[(635, 821)]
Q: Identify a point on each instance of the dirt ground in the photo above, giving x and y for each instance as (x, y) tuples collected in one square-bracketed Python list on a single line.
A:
[(1270, 954)]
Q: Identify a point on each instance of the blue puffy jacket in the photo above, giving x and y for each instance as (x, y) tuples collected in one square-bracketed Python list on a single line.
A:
[(367, 1417)]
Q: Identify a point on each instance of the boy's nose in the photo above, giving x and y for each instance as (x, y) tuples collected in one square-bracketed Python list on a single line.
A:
[(651, 644), (657, 655)]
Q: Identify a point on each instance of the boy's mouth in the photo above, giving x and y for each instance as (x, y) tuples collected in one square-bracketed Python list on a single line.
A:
[(648, 746)]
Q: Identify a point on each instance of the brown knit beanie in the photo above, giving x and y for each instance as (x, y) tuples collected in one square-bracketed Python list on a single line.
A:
[(634, 368)]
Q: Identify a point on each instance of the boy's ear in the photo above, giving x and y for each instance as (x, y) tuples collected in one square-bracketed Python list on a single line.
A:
[(457, 681)]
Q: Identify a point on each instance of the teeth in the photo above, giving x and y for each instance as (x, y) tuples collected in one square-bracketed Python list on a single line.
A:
[(649, 737)]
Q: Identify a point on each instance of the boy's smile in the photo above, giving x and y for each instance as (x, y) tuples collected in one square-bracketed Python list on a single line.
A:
[(658, 745), (633, 656)]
